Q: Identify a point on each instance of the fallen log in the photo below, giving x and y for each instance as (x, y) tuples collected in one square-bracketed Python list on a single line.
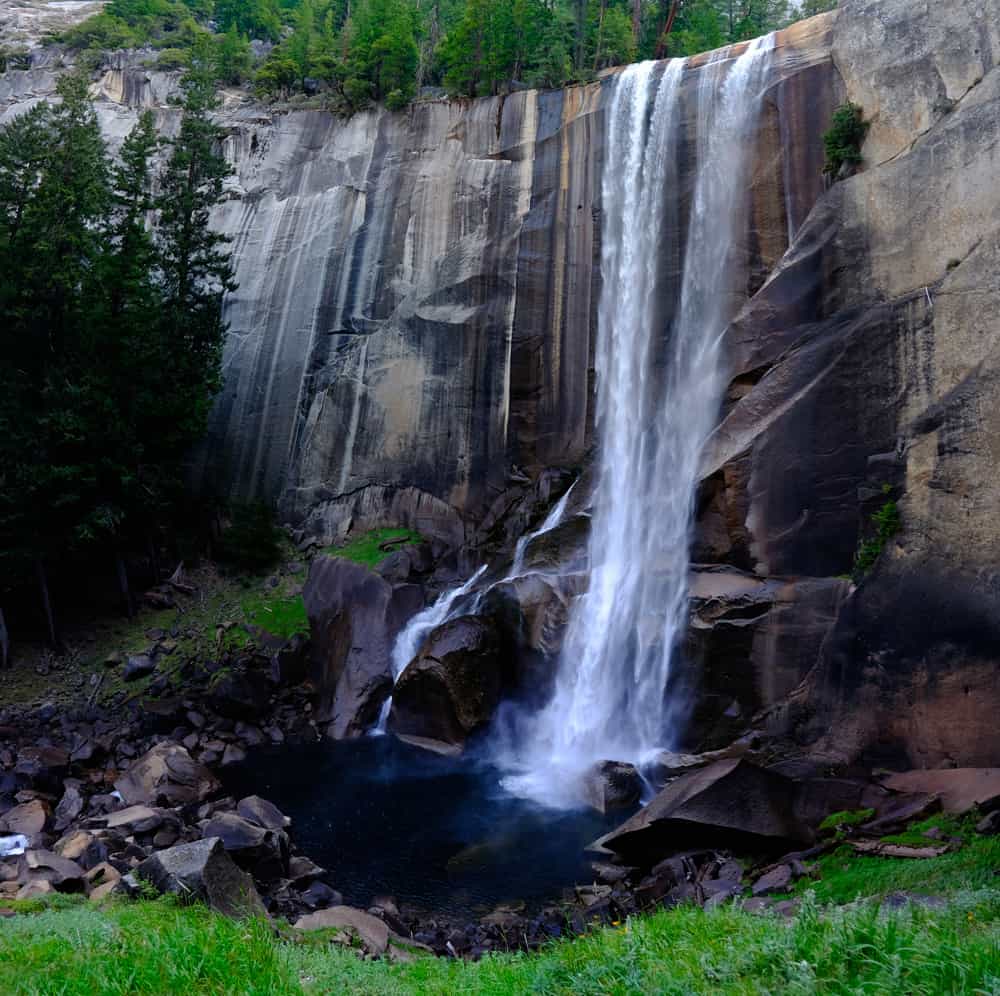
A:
[(882, 849)]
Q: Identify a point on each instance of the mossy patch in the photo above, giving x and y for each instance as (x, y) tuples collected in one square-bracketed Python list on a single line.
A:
[(367, 549), (847, 818)]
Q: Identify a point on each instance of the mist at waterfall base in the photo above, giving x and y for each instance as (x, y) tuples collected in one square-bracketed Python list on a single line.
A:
[(660, 380), (438, 834)]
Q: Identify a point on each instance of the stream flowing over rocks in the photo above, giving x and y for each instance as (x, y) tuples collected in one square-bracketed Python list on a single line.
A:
[(639, 374)]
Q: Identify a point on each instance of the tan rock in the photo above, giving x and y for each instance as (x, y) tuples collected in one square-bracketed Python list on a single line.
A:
[(372, 931), (960, 789)]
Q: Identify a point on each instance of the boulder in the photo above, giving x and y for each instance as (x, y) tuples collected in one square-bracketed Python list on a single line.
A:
[(731, 802), (778, 879), (263, 813), (260, 851), (203, 871), (29, 818), (370, 930), (958, 788), (40, 865), (453, 686), (167, 775), (611, 785), (354, 618), (132, 819), (69, 809)]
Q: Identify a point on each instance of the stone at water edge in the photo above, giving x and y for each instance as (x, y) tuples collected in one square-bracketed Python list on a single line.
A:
[(372, 931), (453, 687), (262, 852), (265, 814), (202, 871), (166, 775), (731, 801), (611, 785)]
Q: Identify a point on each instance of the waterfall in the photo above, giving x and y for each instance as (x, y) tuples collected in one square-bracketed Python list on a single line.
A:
[(659, 387), (450, 604)]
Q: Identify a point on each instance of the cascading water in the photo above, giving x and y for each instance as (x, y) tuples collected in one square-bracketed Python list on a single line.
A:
[(659, 387), (450, 604)]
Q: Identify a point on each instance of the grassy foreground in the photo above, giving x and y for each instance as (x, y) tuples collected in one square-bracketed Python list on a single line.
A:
[(159, 947)]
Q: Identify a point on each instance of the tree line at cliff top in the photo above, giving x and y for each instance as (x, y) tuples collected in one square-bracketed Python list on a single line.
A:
[(110, 331), (354, 52)]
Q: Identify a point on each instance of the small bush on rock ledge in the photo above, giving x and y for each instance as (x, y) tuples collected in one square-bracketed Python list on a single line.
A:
[(843, 141)]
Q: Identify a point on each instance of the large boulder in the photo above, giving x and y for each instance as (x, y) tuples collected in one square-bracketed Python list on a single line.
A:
[(167, 775), (453, 686), (203, 871), (730, 803), (240, 692), (29, 819), (354, 618), (260, 851), (41, 865), (611, 785)]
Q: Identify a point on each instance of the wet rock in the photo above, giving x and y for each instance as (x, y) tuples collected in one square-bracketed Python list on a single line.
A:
[(262, 813), (260, 851), (166, 775), (138, 666), (730, 802), (453, 686), (354, 618), (203, 870), (370, 930), (611, 785)]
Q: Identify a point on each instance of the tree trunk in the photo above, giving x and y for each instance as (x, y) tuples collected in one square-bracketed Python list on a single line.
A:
[(581, 30), (4, 644), (43, 587), (123, 586), (600, 36), (661, 43), (636, 20)]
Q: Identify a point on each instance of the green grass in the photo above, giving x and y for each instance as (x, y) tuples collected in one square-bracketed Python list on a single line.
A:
[(365, 550), (847, 818), (282, 616), (158, 947)]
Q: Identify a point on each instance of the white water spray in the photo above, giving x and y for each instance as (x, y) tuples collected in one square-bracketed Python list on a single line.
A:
[(659, 387)]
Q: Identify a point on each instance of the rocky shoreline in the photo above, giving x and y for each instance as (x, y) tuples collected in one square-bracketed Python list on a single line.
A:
[(91, 805)]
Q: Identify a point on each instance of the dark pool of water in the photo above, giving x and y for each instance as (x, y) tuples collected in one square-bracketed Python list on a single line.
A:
[(438, 834)]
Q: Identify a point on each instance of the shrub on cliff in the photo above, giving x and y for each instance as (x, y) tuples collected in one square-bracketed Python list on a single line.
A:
[(843, 140)]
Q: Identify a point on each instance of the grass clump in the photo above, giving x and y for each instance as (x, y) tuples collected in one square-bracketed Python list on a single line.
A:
[(847, 818), (842, 141), (285, 617), (366, 550), (887, 523)]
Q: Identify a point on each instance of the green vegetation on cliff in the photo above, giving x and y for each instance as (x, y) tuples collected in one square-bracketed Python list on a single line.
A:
[(385, 50)]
